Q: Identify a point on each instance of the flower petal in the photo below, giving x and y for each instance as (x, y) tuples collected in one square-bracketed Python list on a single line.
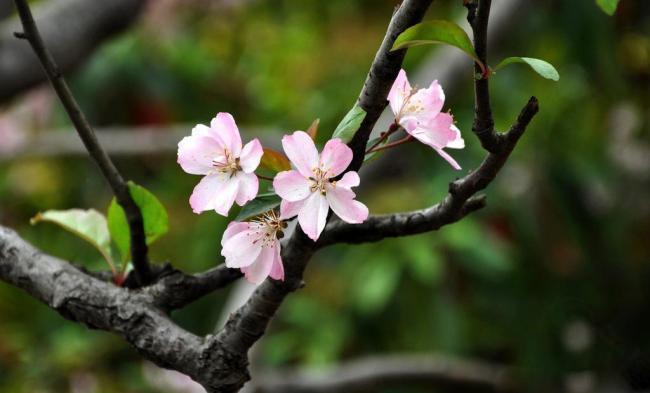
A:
[(248, 186), (224, 126), (301, 151), (458, 142), (449, 159), (201, 130), (239, 250), (349, 180), (291, 185), (257, 272), (251, 155), (342, 202), (437, 132), (313, 215), (399, 92), (336, 157), (233, 228), (195, 154), (290, 209), (277, 270), (206, 191), (224, 200)]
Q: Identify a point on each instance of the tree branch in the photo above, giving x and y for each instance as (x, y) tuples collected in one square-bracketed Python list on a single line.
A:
[(382, 74), (478, 16), (457, 204), (73, 29), (398, 371), (131, 314), (120, 189)]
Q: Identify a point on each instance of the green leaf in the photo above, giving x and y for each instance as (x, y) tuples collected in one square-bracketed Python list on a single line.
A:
[(436, 32), (259, 205), (275, 161), (543, 68), (608, 6), (156, 221), (350, 124), (90, 225)]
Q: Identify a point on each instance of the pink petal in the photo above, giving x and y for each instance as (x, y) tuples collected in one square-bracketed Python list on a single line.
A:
[(248, 187), (438, 132), (291, 185), (399, 92), (201, 130), (290, 209), (239, 250), (409, 123), (206, 191), (447, 157), (349, 180), (313, 215), (224, 126), (336, 157), (458, 142), (233, 228), (251, 155), (224, 200), (257, 272), (342, 202), (301, 151), (195, 154), (277, 271)]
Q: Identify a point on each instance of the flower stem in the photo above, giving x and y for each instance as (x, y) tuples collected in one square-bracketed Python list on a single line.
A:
[(393, 127), (402, 141), (264, 177)]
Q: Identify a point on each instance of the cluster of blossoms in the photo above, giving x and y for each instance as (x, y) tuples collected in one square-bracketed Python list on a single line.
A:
[(317, 183)]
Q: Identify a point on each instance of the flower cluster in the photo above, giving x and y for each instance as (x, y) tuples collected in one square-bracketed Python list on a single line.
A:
[(317, 183)]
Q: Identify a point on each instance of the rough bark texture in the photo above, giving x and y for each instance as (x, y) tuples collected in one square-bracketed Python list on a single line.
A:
[(72, 29)]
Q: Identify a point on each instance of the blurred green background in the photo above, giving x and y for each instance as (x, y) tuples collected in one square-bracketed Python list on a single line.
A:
[(553, 277)]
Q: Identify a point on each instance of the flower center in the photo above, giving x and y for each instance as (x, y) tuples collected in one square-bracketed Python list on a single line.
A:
[(230, 165), (268, 228), (319, 180)]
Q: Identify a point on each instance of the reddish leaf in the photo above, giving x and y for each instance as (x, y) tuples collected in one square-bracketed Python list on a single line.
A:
[(313, 129), (275, 161)]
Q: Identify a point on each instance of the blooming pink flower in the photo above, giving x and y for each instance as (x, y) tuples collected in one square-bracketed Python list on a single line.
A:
[(309, 191), (254, 247), (419, 113), (217, 153)]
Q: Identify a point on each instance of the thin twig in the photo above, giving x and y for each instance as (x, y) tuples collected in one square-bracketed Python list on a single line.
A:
[(115, 180), (406, 139)]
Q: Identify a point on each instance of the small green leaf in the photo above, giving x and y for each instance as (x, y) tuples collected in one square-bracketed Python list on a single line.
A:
[(608, 6), (436, 32), (543, 68), (156, 221), (259, 205), (90, 225), (350, 124), (275, 161)]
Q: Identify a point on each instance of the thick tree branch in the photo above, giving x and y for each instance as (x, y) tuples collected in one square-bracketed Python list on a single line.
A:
[(382, 74), (177, 289), (457, 204), (73, 29), (393, 371), (120, 189), (128, 313)]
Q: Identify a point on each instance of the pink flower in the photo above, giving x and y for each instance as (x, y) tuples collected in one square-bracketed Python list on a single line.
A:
[(309, 191), (254, 247), (418, 112), (217, 153)]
